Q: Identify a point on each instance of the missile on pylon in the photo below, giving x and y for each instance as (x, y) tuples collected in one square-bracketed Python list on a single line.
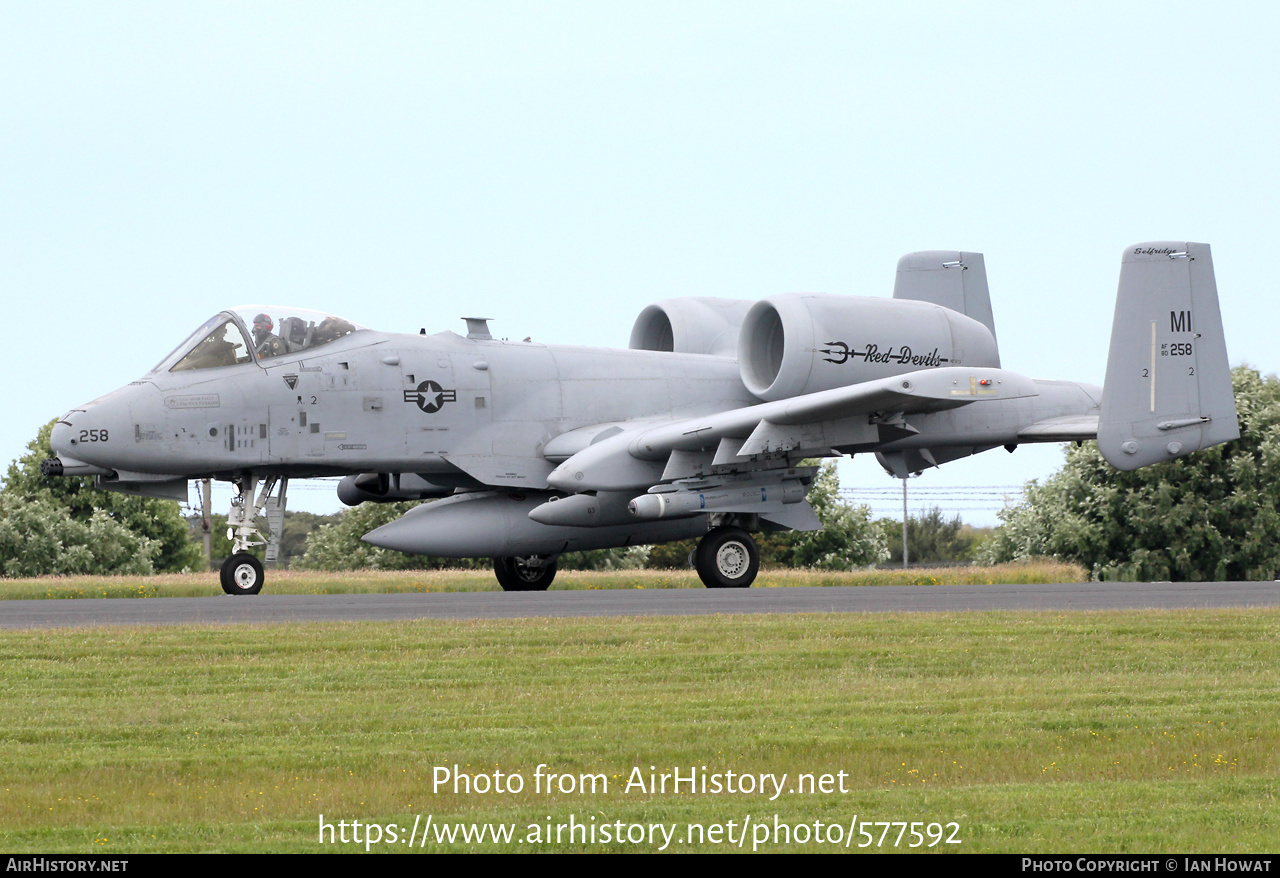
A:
[(726, 498)]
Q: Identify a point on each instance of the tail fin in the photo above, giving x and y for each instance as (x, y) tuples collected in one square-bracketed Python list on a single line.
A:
[(948, 278), (1168, 387)]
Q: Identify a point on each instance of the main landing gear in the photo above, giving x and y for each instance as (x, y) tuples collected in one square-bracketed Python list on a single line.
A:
[(525, 573), (242, 573), (727, 557)]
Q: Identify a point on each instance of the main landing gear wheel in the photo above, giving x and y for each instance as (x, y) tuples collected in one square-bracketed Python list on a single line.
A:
[(727, 557), (242, 574), (518, 574)]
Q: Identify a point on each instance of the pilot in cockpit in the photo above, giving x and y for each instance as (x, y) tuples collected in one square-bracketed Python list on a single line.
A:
[(266, 343)]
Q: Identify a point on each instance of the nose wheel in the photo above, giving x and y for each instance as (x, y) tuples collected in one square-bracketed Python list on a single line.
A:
[(242, 573), (727, 557)]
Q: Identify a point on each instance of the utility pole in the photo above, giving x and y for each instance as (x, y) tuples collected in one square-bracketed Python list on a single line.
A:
[(206, 520), (904, 524)]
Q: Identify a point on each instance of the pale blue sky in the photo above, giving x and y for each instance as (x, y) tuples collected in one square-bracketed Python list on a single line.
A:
[(558, 166)]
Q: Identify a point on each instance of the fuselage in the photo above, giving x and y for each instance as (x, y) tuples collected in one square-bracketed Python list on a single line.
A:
[(385, 402), (483, 410)]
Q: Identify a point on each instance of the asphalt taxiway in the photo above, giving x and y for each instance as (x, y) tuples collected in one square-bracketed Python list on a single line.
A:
[(273, 609)]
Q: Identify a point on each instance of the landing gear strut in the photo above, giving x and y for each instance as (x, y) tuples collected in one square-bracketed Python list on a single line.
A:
[(527, 573), (727, 557), (242, 573)]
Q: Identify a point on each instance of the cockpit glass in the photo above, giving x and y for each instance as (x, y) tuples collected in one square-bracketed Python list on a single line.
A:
[(255, 332), (279, 331), (224, 346), (205, 329)]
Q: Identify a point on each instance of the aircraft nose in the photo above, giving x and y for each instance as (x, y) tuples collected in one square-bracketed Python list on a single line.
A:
[(60, 438), (63, 440), (95, 432)]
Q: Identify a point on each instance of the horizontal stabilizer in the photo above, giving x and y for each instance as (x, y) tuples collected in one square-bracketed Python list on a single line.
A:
[(1168, 387), (1072, 428)]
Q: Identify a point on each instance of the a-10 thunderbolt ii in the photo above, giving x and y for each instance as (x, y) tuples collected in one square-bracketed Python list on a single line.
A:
[(696, 430)]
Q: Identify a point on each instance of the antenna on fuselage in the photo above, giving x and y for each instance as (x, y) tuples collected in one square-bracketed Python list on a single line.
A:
[(478, 327)]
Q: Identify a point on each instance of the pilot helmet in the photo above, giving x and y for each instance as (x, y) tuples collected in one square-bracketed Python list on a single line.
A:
[(262, 321)]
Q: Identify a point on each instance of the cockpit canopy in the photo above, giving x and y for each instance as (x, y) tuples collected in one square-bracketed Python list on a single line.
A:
[(255, 332)]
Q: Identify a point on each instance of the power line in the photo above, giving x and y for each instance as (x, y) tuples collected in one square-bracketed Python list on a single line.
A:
[(952, 499), (935, 492)]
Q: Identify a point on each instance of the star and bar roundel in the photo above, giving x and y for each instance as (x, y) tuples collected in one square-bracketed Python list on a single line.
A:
[(430, 396)]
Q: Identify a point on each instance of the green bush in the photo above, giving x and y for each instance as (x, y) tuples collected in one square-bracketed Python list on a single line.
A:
[(1212, 515), (151, 521), (39, 538)]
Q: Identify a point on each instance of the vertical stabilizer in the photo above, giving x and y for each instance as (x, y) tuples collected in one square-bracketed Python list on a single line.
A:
[(1168, 387), (948, 278)]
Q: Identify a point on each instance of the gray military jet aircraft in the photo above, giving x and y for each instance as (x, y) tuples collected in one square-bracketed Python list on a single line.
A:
[(696, 430)]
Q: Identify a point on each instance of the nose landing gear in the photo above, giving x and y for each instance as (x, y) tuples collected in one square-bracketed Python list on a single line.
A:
[(242, 573)]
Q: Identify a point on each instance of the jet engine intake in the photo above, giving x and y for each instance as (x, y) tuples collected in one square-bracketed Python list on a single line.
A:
[(690, 325), (796, 343)]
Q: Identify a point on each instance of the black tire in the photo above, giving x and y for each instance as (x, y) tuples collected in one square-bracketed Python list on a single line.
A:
[(727, 557), (242, 574), (514, 575)]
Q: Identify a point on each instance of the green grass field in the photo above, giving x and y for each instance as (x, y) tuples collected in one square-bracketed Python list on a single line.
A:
[(1034, 732), (386, 582)]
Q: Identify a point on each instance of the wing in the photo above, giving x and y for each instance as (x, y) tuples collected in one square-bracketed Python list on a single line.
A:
[(620, 457)]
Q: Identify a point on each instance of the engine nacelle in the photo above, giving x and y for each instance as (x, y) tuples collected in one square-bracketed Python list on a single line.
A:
[(796, 343), (690, 326)]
